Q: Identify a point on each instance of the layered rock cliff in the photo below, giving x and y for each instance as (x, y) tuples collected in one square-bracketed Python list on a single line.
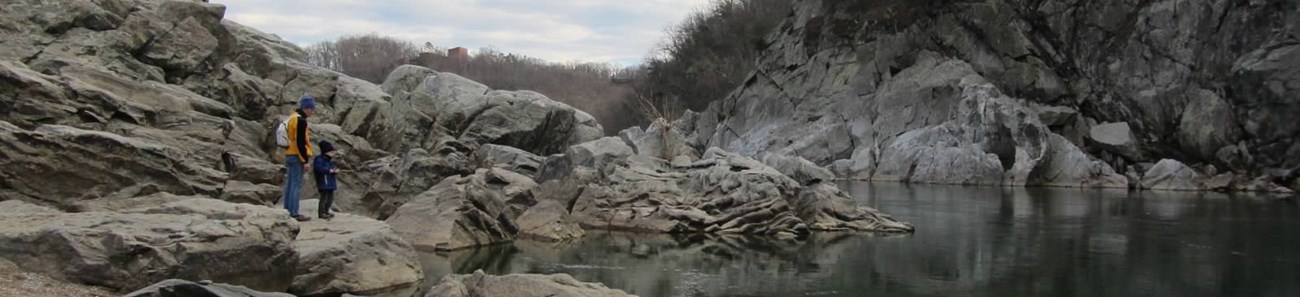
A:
[(124, 122), (1023, 92)]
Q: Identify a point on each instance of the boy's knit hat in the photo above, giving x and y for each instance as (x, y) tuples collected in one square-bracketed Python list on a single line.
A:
[(326, 146)]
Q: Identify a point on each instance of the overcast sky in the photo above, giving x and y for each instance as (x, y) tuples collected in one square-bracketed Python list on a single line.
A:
[(617, 31)]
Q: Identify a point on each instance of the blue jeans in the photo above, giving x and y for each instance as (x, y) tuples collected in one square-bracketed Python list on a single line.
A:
[(292, 185)]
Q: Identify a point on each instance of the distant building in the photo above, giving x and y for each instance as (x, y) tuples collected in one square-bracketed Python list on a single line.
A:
[(426, 59), (458, 52)]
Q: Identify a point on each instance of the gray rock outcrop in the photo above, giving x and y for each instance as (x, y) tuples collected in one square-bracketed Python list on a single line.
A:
[(1172, 175), (378, 187), (548, 221), (989, 139), (660, 140), (464, 212), (591, 154), (20, 207), (1117, 138), (722, 193), (841, 83), (67, 164), (478, 115), (106, 106), (194, 239), (170, 98), (118, 204), (351, 254), (513, 159), (481, 284)]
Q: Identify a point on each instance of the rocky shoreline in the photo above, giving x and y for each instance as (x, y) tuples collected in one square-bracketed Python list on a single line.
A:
[(136, 155)]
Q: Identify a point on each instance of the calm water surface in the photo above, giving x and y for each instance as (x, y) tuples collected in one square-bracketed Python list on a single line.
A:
[(969, 242)]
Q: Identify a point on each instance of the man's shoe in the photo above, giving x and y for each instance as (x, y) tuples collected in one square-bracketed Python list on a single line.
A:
[(302, 218)]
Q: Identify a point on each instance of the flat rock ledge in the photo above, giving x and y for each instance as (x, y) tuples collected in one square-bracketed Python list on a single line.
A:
[(192, 239), (352, 254)]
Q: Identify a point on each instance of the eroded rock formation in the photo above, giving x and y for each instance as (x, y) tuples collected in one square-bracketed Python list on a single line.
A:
[(192, 239), (845, 83)]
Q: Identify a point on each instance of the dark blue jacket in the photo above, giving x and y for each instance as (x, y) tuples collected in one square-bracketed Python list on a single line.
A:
[(324, 179)]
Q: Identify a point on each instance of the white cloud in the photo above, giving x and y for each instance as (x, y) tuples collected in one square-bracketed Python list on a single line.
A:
[(563, 30)]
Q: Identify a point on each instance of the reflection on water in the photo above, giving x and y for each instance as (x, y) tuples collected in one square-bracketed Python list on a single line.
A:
[(969, 242)]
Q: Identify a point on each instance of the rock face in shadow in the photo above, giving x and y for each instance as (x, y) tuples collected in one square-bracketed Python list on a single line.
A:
[(351, 254), (193, 239), (481, 284), (991, 140), (844, 83), (378, 187), (1116, 138)]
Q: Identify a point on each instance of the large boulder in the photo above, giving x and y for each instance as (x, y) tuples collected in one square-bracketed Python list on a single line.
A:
[(482, 284), (591, 154), (351, 254), (184, 288), (245, 192), (464, 212), (61, 165), (1207, 126), (523, 119), (721, 193), (1116, 138), (478, 115), (659, 140), (378, 187), (200, 239), (253, 170), (801, 170), (991, 139), (549, 220), (513, 159), (1169, 174)]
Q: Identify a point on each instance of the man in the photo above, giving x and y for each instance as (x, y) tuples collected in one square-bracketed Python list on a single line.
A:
[(298, 155)]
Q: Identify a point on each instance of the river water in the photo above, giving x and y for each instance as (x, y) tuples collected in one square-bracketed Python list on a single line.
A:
[(969, 242)]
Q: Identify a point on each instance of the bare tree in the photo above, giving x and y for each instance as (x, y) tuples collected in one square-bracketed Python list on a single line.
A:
[(324, 54), (370, 57), (711, 52)]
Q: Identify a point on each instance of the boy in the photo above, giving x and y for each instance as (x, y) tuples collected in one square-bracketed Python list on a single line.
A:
[(326, 178)]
